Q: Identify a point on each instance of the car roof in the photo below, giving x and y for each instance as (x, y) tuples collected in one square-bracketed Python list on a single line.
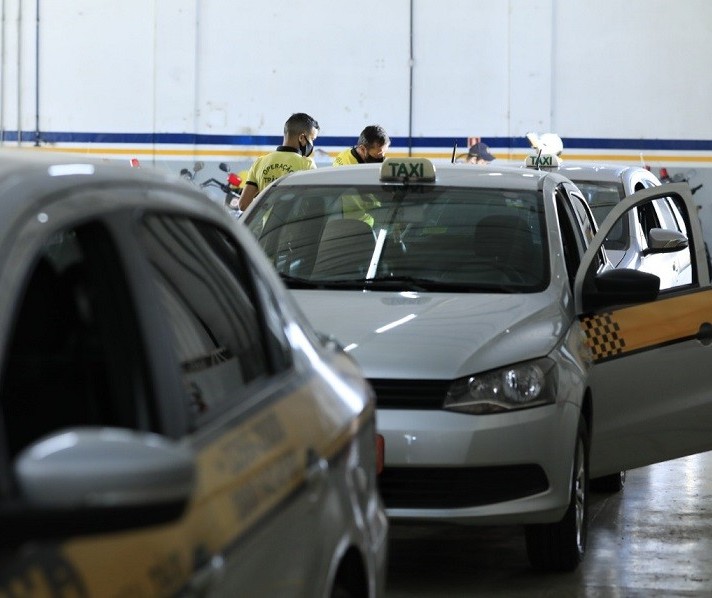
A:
[(30, 178), (603, 172), (459, 175)]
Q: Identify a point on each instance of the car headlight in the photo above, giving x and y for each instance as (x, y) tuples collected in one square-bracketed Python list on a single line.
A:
[(517, 386)]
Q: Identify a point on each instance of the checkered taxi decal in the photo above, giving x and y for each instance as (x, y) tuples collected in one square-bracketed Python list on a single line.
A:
[(610, 335), (603, 336)]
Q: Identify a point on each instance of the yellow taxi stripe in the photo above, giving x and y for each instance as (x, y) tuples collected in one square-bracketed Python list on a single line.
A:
[(244, 475), (626, 330)]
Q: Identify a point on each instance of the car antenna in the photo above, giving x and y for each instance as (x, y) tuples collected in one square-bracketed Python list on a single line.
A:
[(454, 149)]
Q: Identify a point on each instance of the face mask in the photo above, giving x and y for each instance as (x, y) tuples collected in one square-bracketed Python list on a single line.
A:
[(370, 158), (307, 149)]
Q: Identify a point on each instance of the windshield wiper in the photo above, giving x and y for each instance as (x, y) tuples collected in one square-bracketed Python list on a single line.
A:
[(412, 283), (400, 283), (294, 282)]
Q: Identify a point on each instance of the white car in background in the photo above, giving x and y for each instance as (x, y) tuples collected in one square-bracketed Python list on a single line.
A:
[(603, 186), (510, 359)]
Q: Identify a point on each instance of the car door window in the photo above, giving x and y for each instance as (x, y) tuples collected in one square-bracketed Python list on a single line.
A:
[(74, 355), (676, 215), (648, 218), (571, 237), (577, 228), (222, 342)]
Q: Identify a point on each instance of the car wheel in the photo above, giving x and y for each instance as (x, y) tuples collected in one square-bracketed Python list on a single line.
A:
[(561, 546), (609, 483)]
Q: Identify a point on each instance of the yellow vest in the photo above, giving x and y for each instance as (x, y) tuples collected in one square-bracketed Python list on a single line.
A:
[(276, 164), (356, 206), (347, 157)]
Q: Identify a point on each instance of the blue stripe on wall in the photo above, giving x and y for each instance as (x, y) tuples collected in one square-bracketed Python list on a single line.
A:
[(396, 142)]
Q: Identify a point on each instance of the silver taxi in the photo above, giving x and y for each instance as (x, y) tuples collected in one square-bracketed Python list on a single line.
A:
[(502, 344), (170, 425)]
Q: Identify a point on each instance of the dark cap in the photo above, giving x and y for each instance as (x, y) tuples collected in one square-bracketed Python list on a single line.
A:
[(480, 150)]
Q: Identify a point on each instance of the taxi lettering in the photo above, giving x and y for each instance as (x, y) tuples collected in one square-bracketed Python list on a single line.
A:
[(400, 169)]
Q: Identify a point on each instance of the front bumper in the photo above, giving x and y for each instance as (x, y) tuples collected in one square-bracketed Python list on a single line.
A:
[(478, 469)]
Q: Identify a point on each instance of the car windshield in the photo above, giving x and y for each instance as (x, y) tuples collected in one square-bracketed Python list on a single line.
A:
[(397, 237), (602, 197)]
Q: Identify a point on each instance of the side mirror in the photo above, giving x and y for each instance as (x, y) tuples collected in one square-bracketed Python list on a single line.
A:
[(224, 167), (198, 166), (93, 480), (663, 240), (620, 287)]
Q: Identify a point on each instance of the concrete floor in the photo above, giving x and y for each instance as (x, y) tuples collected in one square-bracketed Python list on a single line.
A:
[(652, 539)]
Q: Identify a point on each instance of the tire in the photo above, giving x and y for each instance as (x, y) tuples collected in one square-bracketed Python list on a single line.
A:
[(610, 484), (561, 546)]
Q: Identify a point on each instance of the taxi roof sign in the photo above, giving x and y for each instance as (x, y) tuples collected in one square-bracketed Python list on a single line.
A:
[(542, 160), (411, 170)]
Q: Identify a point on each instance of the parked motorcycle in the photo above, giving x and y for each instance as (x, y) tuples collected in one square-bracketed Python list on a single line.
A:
[(188, 174), (679, 178), (230, 188), (234, 183)]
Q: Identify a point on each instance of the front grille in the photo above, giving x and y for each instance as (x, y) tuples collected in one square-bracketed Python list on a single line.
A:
[(458, 487), (410, 394)]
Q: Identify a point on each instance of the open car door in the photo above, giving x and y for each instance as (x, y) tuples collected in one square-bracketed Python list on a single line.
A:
[(651, 378)]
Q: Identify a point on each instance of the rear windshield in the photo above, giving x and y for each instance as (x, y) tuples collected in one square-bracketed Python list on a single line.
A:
[(422, 238)]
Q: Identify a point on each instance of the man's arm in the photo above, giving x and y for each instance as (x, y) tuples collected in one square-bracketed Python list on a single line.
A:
[(248, 194)]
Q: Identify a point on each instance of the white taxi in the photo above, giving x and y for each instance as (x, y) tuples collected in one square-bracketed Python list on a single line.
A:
[(510, 360), (170, 425), (603, 186)]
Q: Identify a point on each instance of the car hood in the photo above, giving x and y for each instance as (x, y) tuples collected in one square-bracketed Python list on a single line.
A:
[(436, 335)]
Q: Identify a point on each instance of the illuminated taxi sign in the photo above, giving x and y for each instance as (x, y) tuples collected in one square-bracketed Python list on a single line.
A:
[(412, 170), (543, 161)]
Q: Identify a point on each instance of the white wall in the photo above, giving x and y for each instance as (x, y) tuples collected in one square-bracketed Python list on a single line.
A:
[(602, 71)]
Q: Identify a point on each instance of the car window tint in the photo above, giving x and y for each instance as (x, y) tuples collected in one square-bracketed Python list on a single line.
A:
[(676, 215), (475, 238), (571, 237), (207, 295), (665, 215), (648, 218), (280, 349), (74, 356)]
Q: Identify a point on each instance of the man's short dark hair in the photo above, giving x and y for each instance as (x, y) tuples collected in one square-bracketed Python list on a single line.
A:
[(299, 123), (373, 135)]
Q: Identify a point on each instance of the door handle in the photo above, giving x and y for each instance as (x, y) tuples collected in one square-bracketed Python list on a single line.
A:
[(317, 472), (704, 334), (317, 466), (205, 577)]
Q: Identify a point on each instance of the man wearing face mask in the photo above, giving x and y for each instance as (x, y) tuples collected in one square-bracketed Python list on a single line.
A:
[(300, 131), (372, 145)]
